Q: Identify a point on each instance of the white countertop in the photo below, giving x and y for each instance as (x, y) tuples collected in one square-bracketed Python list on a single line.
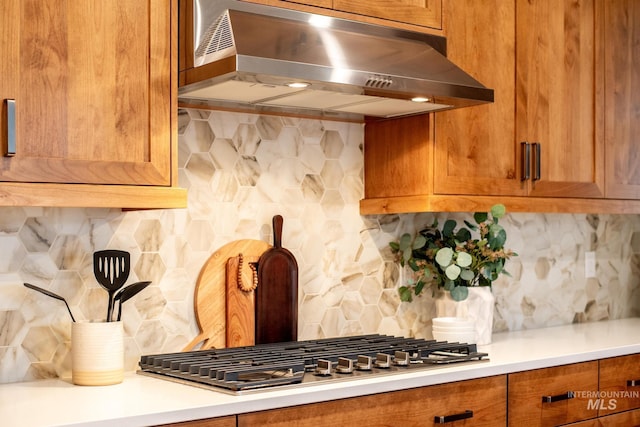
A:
[(143, 401)]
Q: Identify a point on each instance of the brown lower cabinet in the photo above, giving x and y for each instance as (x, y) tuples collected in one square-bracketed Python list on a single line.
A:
[(624, 419), (229, 421), (479, 402), (567, 395)]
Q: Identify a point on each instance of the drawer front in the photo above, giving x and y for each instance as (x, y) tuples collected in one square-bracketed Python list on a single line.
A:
[(485, 398), (619, 384), (623, 419), (551, 396)]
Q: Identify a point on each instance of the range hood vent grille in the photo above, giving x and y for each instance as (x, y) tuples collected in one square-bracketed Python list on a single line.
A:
[(247, 54), (217, 38)]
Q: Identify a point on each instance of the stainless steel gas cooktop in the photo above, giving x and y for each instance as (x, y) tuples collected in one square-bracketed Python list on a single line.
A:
[(242, 369)]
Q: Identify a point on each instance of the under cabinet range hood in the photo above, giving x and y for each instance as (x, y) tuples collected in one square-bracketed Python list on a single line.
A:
[(244, 54)]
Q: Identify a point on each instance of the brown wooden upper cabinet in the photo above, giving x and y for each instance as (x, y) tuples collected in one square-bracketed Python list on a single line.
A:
[(622, 98), (421, 13), (561, 134), (87, 90), (543, 136)]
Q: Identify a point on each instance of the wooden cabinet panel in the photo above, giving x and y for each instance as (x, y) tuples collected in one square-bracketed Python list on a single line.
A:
[(415, 13), (527, 390), (624, 419), (549, 94), (412, 407), (92, 90), (210, 422), (425, 13), (559, 94), (619, 384), (95, 103), (622, 98), (475, 148), (319, 3)]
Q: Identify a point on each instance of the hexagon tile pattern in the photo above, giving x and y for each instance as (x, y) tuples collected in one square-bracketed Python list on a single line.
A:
[(240, 171)]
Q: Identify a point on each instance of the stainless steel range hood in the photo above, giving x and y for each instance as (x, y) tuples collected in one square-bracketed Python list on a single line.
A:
[(247, 54)]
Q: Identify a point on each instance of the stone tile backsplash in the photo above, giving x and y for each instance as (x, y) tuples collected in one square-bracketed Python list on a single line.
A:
[(240, 171)]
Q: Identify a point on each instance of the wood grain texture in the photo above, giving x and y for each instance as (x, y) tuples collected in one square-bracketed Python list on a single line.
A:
[(475, 148), (210, 292), (89, 195), (559, 94), (622, 98), (486, 397), (625, 419), (526, 389), (229, 421), (615, 372), (379, 12), (424, 13), (92, 83), (397, 157), (431, 203), (240, 308)]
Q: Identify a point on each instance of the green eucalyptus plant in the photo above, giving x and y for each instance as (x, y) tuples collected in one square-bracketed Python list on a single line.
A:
[(451, 259)]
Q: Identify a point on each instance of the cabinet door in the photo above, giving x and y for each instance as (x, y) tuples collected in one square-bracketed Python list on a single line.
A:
[(559, 94), (541, 397), (619, 384), (484, 398), (425, 13), (550, 94), (475, 153), (622, 98), (92, 90)]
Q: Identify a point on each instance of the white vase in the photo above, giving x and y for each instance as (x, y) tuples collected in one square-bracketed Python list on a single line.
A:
[(478, 307)]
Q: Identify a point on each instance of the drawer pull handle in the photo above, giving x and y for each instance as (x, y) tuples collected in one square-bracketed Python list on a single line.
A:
[(536, 152), (10, 149), (455, 417), (558, 397), (633, 383), (526, 161)]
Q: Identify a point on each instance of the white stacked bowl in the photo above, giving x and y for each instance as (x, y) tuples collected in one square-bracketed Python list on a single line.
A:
[(454, 329)]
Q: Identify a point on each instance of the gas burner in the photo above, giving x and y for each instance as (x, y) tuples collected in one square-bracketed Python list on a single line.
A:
[(268, 365)]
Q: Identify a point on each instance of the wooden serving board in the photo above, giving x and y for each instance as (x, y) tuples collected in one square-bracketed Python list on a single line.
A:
[(210, 297)]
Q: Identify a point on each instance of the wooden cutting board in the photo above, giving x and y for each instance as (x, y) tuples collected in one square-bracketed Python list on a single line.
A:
[(210, 299), (276, 298)]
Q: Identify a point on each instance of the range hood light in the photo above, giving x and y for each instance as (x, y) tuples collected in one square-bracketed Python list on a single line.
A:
[(319, 21), (420, 99), (298, 85)]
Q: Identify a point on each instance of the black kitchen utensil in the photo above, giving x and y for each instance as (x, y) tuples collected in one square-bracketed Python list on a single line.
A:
[(127, 293), (52, 295), (276, 298), (111, 268)]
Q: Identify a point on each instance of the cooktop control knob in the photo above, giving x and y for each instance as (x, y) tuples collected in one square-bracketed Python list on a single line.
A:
[(345, 366), (363, 363), (401, 358), (323, 368), (383, 360)]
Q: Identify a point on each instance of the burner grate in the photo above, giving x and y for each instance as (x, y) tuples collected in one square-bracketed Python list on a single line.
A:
[(267, 365)]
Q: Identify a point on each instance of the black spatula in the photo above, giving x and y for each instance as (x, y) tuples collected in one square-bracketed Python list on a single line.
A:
[(111, 268)]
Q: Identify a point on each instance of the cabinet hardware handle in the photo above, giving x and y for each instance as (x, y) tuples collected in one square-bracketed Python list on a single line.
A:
[(526, 161), (536, 153), (11, 128), (633, 383), (455, 417), (558, 397)]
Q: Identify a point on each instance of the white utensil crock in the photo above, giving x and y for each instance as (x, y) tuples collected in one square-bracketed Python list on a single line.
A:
[(97, 353)]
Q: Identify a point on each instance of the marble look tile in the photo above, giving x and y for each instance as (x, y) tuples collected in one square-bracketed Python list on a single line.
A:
[(240, 170)]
